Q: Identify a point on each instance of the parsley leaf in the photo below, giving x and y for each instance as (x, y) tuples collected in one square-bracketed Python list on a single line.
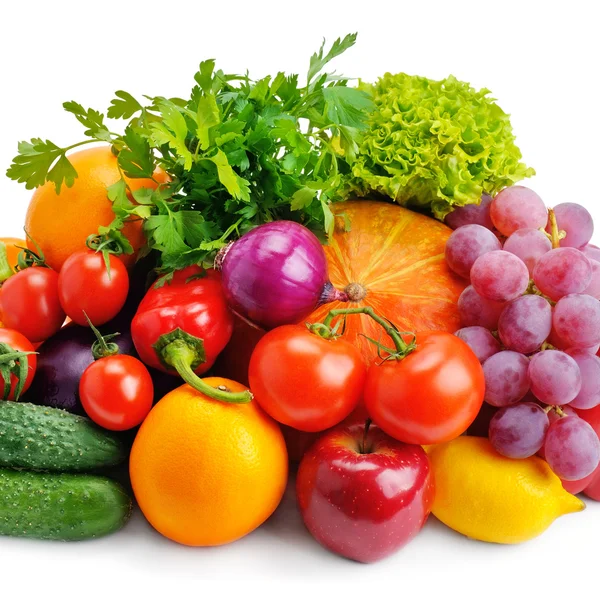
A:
[(90, 118), (39, 161), (172, 131), (207, 116), (318, 61), (124, 106), (136, 157)]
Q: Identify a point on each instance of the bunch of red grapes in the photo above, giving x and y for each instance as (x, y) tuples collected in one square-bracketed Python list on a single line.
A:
[(532, 316)]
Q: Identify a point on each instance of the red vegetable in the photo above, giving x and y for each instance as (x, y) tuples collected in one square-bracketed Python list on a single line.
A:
[(116, 391), (86, 287), (17, 364), (276, 274), (429, 396), (29, 303), (183, 326), (304, 380)]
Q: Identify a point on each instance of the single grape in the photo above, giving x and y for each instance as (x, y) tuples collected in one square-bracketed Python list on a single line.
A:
[(525, 324), (594, 288), (480, 340), (591, 251), (471, 214), (554, 416), (499, 276), (518, 207), (576, 320), (554, 377), (561, 344), (572, 448), (562, 271), (466, 245), (529, 245), (589, 366), (519, 431), (576, 221), (477, 311), (506, 380)]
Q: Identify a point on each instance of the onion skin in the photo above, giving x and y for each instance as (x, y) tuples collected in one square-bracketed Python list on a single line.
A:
[(276, 274)]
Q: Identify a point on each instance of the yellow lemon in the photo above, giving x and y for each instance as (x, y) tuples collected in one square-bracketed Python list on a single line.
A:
[(489, 497)]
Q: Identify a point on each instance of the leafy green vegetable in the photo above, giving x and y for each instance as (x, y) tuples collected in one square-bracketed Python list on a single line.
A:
[(239, 152), (434, 144)]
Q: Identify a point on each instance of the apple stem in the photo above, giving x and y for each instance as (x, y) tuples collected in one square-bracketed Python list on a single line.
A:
[(363, 449)]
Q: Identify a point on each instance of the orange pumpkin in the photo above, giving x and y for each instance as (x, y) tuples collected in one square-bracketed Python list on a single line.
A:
[(391, 259)]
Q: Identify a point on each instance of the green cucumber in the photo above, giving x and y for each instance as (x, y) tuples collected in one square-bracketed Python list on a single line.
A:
[(60, 506), (40, 438)]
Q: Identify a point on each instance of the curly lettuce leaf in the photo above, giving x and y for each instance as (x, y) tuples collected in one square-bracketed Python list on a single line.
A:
[(435, 145)]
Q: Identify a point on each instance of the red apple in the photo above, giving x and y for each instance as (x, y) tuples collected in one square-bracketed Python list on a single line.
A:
[(363, 494)]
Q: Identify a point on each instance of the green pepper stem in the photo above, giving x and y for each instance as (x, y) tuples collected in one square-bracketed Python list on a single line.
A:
[(181, 357), (5, 269), (401, 346)]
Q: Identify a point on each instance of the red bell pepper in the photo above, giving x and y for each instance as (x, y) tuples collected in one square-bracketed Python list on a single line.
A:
[(183, 326)]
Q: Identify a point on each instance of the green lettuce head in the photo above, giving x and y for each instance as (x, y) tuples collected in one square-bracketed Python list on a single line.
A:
[(435, 145)]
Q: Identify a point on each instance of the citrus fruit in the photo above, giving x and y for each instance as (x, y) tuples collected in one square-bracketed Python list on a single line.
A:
[(61, 223), (12, 251), (206, 472), (489, 497)]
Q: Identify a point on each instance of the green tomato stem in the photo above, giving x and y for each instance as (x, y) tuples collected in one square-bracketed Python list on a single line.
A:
[(13, 362), (5, 269), (102, 348), (181, 356), (402, 348)]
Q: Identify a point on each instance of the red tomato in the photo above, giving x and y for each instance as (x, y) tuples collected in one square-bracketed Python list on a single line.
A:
[(116, 392), (17, 342), (29, 303), (85, 286), (429, 397), (305, 381)]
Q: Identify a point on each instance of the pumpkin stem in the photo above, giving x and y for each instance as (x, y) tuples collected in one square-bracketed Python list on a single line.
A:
[(355, 292)]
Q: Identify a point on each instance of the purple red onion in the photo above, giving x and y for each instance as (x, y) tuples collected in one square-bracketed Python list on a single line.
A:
[(276, 274)]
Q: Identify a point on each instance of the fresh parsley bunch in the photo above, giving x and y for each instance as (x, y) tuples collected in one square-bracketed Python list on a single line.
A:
[(239, 153)]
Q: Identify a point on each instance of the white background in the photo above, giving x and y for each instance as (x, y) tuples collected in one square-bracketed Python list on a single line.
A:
[(540, 59)]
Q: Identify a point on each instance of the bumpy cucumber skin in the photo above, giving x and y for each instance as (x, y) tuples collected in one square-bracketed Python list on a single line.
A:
[(40, 438), (65, 507)]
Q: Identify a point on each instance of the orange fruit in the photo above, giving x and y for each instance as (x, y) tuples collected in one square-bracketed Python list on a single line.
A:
[(206, 472), (61, 223), (12, 252)]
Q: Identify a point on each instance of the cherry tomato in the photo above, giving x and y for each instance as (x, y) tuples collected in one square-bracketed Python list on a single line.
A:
[(16, 342), (29, 303), (116, 392), (304, 380), (85, 286), (430, 396)]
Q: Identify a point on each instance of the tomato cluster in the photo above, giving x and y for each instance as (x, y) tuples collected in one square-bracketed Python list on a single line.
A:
[(90, 289), (428, 394)]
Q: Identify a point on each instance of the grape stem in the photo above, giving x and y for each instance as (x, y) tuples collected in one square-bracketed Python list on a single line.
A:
[(555, 235), (557, 409)]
